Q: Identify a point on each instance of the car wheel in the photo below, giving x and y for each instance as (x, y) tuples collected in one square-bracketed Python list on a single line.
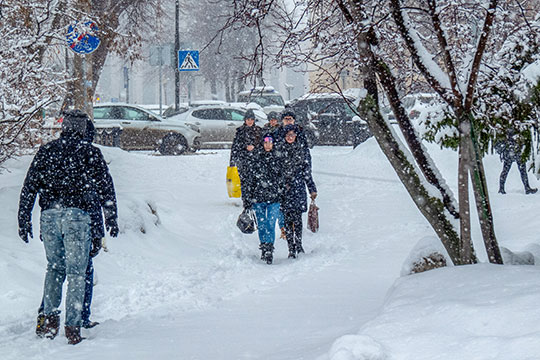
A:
[(173, 144)]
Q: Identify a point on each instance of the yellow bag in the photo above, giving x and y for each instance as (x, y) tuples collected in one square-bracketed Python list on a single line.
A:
[(233, 182)]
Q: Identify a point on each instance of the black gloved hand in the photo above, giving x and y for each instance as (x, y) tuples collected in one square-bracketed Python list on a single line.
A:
[(96, 246), (25, 230), (112, 227)]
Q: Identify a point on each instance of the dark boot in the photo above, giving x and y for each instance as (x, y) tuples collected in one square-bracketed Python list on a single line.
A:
[(268, 253), (89, 324), (49, 327), (531, 191), (40, 327), (292, 250), (299, 248), (73, 334), (501, 190), (263, 250)]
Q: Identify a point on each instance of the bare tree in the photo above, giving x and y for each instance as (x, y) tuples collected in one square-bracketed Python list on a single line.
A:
[(389, 43)]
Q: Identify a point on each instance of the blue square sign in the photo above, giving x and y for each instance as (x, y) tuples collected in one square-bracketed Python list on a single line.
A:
[(188, 60)]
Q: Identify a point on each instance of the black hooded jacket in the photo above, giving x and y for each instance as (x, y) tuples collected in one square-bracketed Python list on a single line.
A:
[(245, 135), (69, 173), (268, 177)]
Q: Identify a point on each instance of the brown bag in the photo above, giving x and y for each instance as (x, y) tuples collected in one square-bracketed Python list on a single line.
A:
[(313, 217)]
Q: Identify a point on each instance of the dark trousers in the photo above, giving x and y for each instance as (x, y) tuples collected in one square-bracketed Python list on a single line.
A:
[(522, 171), (293, 228)]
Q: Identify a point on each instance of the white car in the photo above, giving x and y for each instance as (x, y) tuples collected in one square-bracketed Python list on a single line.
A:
[(266, 96), (131, 127), (217, 123)]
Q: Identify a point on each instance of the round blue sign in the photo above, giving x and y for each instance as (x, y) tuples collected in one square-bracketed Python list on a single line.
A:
[(82, 37)]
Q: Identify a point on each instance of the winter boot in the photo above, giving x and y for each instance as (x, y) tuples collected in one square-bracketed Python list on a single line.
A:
[(531, 190), (48, 325), (40, 327), (501, 190), (89, 324), (73, 334), (268, 253), (292, 250), (263, 250), (298, 247)]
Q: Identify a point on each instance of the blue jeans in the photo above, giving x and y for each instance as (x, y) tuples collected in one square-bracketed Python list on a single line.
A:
[(267, 215), (88, 292), (66, 237)]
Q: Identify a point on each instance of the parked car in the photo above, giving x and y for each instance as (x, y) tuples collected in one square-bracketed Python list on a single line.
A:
[(131, 127), (419, 104), (333, 117), (172, 111), (266, 96), (217, 123)]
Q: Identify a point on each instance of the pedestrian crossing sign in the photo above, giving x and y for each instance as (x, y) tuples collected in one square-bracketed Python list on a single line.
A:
[(188, 60)]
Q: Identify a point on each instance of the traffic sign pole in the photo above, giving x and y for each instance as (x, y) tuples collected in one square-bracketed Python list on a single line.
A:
[(82, 39)]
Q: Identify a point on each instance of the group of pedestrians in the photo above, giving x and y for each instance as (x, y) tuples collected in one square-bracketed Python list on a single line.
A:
[(274, 164), (75, 191)]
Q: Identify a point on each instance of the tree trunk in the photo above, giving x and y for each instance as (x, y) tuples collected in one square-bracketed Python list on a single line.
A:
[(467, 251), (415, 145), (431, 208), (481, 196)]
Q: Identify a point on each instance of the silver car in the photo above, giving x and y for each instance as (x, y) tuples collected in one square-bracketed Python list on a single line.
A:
[(217, 123), (131, 127)]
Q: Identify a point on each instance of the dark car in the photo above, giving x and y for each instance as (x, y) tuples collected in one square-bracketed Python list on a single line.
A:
[(334, 118)]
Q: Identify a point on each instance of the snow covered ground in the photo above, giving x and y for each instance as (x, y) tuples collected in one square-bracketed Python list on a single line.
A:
[(181, 282)]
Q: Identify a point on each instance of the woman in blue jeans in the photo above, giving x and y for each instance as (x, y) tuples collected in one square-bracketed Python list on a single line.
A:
[(267, 195)]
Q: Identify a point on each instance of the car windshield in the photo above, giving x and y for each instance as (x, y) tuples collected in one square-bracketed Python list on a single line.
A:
[(331, 107), (136, 114), (263, 100)]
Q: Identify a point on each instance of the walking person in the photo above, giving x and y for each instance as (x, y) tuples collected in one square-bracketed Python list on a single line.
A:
[(97, 233), (296, 176), (243, 156), (266, 196), (511, 152), (272, 126), (71, 177)]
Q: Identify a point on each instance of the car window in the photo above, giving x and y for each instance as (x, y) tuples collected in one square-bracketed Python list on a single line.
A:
[(136, 114), (102, 113), (234, 115), (209, 114)]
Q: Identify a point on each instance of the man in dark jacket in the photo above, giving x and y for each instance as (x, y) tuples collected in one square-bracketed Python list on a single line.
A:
[(72, 180), (243, 155), (272, 126), (97, 233), (288, 117), (296, 176), (509, 152)]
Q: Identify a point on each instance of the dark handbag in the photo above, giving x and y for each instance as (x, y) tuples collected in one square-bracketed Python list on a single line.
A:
[(247, 222), (313, 217)]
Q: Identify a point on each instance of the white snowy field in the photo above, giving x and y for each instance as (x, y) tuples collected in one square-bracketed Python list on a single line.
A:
[(181, 282)]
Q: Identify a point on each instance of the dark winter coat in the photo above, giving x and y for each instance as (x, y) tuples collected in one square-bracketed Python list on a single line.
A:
[(69, 173), (245, 135), (301, 139), (509, 150), (245, 160), (296, 175), (268, 177), (97, 230), (272, 130)]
